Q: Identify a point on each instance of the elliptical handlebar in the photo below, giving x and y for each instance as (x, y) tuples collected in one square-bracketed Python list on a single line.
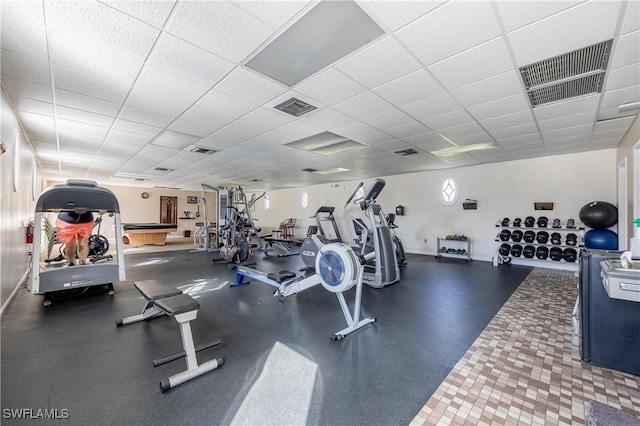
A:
[(355, 191)]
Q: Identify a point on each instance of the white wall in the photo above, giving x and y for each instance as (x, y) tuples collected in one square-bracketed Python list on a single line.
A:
[(506, 189), (16, 207)]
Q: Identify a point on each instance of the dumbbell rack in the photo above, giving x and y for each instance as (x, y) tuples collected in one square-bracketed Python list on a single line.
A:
[(466, 256), (548, 262)]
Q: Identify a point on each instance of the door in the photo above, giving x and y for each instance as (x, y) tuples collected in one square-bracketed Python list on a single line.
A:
[(168, 209)]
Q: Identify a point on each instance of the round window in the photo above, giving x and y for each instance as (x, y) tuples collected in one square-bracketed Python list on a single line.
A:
[(449, 191)]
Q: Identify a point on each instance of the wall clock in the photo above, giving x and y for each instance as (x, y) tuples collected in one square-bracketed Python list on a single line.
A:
[(145, 195)]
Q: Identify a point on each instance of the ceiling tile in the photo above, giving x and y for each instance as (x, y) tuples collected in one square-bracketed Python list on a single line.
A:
[(330, 87), (274, 13), (251, 87), (27, 89), (22, 29), (396, 17), (326, 118), (152, 12), (88, 85), (432, 39), (586, 118), (569, 107), (25, 67), (151, 101), (169, 86), (499, 107), (179, 58), (407, 130), (435, 105), (410, 88), (448, 119), (626, 50), (363, 105), (388, 119), (557, 34), (111, 44), (90, 104), (133, 127), (479, 63), (490, 89), (142, 116), (518, 14), (379, 63), (83, 116), (507, 120), (219, 27), (223, 103)]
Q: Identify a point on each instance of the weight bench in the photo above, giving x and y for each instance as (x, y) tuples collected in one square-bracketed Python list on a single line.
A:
[(162, 299)]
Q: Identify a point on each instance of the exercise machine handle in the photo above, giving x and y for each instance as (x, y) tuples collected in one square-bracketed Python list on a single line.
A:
[(355, 191)]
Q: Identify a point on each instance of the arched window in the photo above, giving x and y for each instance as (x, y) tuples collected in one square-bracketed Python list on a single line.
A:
[(305, 200)]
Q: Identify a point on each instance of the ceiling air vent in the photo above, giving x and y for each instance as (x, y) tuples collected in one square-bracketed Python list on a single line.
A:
[(200, 150), (567, 76), (295, 107), (310, 170), (405, 152), (163, 169)]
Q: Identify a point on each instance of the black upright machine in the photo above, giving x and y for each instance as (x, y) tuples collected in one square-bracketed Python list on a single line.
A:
[(383, 269), (56, 278)]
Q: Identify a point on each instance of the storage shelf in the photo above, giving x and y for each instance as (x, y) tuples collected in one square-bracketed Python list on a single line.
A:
[(466, 256)]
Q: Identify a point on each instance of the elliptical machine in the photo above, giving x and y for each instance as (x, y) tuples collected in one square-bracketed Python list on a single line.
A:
[(326, 231), (383, 269)]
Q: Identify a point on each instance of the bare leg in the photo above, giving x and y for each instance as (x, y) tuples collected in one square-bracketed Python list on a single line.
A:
[(83, 250), (70, 252)]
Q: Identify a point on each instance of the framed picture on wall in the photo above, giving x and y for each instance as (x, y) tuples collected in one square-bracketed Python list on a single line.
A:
[(192, 199)]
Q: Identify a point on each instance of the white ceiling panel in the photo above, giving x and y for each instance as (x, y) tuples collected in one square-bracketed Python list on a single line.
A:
[(179, 58), (432, 39), (557, 34), (584, 119), (152, 12), (89, 85), (330, 87), (22, 27), (124, 72), (226, 104), (631, 17), (25, 89), (442, 103), (25, 67), (499, 107), (478, 63), (363, 105), (448, 120), (274, 13), (410, 88), (34, 106), (219, 27), (394, 17), (490, 89), (380, 63), (326, 118), (388, 119), (142, 116), (113, 45), (517, 14), (251, 87)]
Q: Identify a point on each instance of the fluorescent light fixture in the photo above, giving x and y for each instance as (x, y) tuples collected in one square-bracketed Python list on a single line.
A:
[(338, 147), (133, 175), (629, 106), (325, 143), (317, 141), (329, 31), (172, 139), (454, 150), (331, 171)]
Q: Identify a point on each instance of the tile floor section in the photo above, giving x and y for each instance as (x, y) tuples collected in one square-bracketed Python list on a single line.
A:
[(525, 367)]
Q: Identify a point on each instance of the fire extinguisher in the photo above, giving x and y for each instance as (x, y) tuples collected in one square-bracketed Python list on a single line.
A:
[(30, 232)]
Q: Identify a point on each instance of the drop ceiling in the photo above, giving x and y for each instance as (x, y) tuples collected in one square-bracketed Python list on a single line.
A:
[(159, 93)]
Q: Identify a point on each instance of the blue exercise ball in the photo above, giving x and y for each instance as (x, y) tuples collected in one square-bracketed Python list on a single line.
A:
[(599, 214), (603, 239)]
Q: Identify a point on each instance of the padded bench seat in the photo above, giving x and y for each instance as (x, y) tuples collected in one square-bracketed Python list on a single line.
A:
[(179, 304), (148, 233), (154, 289)]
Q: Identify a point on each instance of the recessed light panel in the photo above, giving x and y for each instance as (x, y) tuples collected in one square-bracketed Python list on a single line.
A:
[(329, 31), (173, 139)]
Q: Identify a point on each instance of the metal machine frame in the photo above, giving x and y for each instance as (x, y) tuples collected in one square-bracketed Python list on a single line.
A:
[(79, 196)]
